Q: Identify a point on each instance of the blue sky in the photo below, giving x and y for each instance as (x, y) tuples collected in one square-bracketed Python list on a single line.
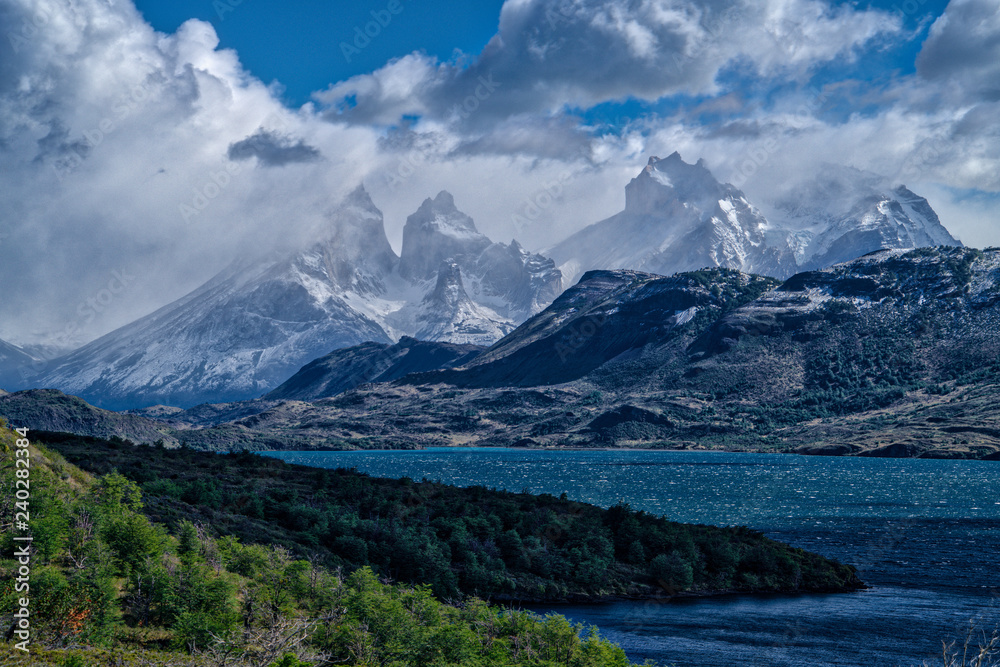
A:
[(118, 117), (298, 43)]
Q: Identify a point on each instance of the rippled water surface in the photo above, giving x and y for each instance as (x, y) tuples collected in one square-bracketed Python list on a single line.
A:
[(924, 534)]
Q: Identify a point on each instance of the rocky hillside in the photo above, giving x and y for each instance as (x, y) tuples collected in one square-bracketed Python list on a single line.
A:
[(893, 354), (345, 369), (51, 410), (606, 317)]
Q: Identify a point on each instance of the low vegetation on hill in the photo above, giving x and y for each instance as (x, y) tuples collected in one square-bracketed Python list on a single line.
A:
[(110, 587), (461, 541)]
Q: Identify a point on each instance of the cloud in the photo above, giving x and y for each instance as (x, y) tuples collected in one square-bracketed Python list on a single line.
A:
[(273, 150), (126, 150), (115, 156), (963, 48), (552, 55)]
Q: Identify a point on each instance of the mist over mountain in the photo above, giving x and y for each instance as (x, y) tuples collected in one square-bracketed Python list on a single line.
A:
[(678, 217), (843, 213), (255, 324), (16, 366)]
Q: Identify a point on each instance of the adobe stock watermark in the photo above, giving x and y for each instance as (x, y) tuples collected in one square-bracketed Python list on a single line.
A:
[(578, 335), (909, 7), (756, 158), (363, 35), (413, 160), (87, 311), (562, 14), (30, 28), (213, 185), (223, 7), (928, 154), (125, 106), (759, 155), (538, 202), (21, 628), (713, 29), (217, 180), (483, 91)]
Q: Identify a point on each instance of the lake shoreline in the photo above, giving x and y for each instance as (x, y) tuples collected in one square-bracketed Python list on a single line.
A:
[(679, 597), (831, 451), (923, 534)]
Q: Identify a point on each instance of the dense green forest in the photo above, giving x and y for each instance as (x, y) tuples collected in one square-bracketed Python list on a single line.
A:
[(152, 556), (461, 541), (110, 587)]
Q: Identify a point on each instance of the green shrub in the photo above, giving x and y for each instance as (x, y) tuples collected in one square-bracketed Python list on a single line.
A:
[(672, 572)]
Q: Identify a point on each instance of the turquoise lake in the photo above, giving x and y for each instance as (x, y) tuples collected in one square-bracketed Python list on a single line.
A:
[(924, 534)]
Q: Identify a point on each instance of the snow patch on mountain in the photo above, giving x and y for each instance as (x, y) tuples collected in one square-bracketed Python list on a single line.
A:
[(844, 213), (255, 324), (678, 217)]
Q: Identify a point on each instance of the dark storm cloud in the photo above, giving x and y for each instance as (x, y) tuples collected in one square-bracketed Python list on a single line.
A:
[(273, 150), (963, 49)]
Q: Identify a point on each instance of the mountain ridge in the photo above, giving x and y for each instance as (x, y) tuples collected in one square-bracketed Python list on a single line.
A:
[(345, 369), (893, 354), (256, 323), (678, 217), (16, 366)]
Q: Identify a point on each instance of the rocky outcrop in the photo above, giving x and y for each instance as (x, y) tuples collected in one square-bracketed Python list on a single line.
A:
[(438, 231)]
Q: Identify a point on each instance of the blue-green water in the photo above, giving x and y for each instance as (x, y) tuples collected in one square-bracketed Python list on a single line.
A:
[(924, 534)]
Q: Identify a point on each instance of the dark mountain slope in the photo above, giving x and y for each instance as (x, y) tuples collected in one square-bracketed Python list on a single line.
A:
[(48, 409), (345, 369), (896, 353), (606, 315)]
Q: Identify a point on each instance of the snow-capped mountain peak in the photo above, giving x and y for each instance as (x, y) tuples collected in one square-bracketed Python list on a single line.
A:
[(677, 217), (355, 253), (671, 179), (447, 313), (254, 324), (435, 232), (844, 213)]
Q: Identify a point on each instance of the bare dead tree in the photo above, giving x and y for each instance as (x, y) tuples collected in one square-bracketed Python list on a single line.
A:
[(985, 653), (208, 547), (80, 533), (262, 646)]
